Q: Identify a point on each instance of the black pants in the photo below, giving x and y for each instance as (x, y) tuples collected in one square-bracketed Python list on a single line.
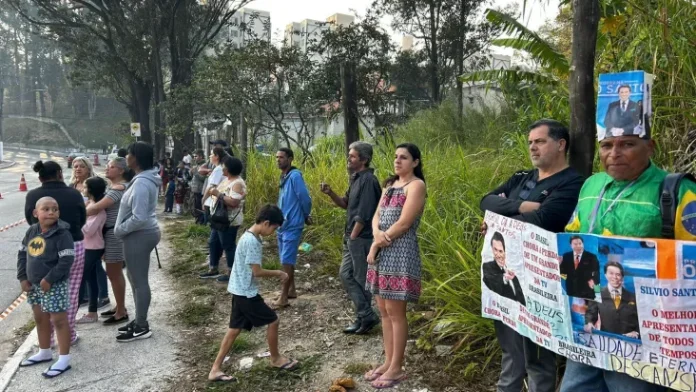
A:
[(92, 259), (198, 207)]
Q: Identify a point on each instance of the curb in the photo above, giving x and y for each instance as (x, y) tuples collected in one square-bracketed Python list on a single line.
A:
[(8, 371), (10, 164)]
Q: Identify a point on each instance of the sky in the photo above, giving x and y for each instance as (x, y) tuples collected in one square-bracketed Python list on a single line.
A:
[(284, 12)]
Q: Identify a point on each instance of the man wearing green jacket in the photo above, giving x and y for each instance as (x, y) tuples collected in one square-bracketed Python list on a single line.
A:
[(625, 201)]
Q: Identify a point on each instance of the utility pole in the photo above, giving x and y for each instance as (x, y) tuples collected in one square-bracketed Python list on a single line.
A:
[(350, 103)]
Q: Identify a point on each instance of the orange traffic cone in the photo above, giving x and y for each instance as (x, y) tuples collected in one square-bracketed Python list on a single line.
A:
[(23, 184), (96, 159)]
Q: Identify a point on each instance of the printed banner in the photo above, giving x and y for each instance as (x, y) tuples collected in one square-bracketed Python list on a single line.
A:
[(602, 301)]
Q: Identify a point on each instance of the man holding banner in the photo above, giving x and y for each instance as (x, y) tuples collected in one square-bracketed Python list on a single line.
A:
[(623, 201), (545, 197)]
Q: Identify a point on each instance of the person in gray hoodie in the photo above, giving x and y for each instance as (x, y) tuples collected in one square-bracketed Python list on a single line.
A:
[(136, 226)]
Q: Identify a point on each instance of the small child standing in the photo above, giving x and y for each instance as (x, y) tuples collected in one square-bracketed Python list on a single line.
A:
[(43, 267), (95, 188), (182, 179), (248, 307)]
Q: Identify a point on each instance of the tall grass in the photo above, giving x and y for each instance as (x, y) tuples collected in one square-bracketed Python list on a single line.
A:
[(462, 161)]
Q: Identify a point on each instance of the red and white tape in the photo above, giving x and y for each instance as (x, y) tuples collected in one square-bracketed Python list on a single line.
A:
[(8, 227), (15, 304)]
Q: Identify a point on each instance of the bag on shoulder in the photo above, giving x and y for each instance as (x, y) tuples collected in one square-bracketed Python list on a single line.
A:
[(669, 200), (219, 219)]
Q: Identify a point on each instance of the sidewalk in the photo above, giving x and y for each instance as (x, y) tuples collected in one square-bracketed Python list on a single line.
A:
[(6, 164), (99, 363)]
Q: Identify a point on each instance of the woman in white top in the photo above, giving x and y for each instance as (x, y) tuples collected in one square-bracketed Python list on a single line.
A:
[(232, 189)]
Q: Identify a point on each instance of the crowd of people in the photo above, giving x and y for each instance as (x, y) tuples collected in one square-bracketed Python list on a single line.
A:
[(381, 255)]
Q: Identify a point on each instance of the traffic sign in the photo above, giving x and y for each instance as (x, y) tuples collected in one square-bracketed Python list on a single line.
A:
[(135, 129)]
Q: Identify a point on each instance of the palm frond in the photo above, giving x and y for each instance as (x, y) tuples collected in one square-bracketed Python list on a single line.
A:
[(511, 76)]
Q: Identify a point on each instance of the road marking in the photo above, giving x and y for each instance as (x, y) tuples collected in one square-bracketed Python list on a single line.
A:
[(8, 227), (14, 305)]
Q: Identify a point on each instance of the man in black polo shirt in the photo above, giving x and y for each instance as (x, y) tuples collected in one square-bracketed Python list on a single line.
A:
[(361, 202), (546, 197)]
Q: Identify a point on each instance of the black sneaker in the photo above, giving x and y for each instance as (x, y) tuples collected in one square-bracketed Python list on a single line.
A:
[(127, 328), (104, 302), (136, 333), (209, 275), (224, 278)]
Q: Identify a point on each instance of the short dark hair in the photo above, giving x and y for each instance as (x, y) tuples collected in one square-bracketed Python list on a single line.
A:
[(557, 130), (144, 154), (576, 237), (220, 153), (122, 152), (96, 187), (234, 165), (270, 213), (47, 170), (614, 264), (288, 152), (185, 150), (624, 86), (498, 237)]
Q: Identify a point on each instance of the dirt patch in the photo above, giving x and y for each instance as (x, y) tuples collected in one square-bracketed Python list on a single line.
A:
[(310, 331)]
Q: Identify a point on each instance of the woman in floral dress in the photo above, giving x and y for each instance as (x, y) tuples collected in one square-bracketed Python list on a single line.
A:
[(394, 270)]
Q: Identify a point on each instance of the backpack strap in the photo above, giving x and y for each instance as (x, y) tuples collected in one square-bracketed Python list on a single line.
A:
[(669, 200)]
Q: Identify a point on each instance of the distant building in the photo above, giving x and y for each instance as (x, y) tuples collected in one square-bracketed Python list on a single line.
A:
[(248, 24), (336, 20), (309, 31)]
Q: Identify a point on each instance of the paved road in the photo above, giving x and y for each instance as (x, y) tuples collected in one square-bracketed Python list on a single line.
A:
[(12, 210)]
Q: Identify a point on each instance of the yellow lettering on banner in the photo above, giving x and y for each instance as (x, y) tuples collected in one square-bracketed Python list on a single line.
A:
[(676, 380)]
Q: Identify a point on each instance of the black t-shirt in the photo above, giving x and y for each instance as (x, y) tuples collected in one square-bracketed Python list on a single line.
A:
[(70, 203)]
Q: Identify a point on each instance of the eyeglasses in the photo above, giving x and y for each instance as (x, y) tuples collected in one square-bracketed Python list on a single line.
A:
[(527, 189)]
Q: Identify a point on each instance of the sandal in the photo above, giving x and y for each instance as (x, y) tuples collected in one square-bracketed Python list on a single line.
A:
[(372, 375), (57, 373), (383, 383), (290, 365), (86, 320), (31, 362), (223, 378)]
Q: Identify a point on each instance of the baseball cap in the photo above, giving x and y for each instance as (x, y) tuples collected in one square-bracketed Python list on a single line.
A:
[(220, 142)]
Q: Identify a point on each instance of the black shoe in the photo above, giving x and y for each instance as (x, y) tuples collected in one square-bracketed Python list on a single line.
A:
[(353, 327), (104, 302), (136, 333), (113, 320), (367, 326), (108, 313), (224, 278), (209, 275), (127, 328)]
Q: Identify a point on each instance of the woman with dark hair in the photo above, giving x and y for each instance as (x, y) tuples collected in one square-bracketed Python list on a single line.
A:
[(394, 271), (232, 189), (94, 189), (72, 211), (136, 226), (217, 156), (118, 173), (166, 173)]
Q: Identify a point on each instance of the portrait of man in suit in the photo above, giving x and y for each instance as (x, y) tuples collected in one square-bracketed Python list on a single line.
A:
[(623, 115), (497, 276), (580, 269), (617, 313)]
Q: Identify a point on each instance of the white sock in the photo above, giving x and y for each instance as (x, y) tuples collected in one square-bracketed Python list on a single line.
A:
[(62, 362), (42, 355)]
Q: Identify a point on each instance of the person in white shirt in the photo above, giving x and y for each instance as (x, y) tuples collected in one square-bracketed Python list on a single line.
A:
[(187, 158)]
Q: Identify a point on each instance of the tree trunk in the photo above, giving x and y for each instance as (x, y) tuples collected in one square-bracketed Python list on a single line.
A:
[(582, 92), (463, 11), (349, 101), (243, 141), (143, 95), (2, 104), (434, 55), (182, 72)]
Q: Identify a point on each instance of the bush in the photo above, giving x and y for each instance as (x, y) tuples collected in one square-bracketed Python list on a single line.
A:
[(457, 177)]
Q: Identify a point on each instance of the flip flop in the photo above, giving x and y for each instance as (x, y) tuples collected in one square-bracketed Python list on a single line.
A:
[(389, 383), (289, 366), (224, 378), (30, 362), (273, 305), (372, 375), (59, 372)]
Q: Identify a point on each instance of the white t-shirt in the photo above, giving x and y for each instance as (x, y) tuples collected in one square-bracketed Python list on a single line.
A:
[(213, 180), (187, 159)]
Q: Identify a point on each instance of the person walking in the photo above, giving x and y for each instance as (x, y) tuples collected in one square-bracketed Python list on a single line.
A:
[(81, 171), (217, 156), (72, 207), (232, 189), (296, 204), (95, 188), (360, 201), (544, 196), (119, 174), (136, 226), (394, 271)]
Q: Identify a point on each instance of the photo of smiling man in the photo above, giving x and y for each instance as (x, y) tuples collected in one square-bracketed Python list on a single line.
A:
[(497, 276)]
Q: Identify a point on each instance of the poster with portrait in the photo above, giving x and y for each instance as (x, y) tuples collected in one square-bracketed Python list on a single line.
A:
[(624, 104), (616, 303)]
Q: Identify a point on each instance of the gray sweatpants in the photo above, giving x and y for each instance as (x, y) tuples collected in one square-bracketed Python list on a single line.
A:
[(137, 248), (523, 357), (353, 275)]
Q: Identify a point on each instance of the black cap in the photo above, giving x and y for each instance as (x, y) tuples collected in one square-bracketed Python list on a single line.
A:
[(220, 142)]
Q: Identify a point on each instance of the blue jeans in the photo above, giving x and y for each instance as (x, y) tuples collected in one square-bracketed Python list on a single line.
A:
[(222, 240), (580, 377)]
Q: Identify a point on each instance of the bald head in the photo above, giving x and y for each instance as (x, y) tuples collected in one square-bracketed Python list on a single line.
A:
[(47, 211), (46, 199)]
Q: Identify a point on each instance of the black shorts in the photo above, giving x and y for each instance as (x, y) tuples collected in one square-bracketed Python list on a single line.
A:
[(250, 312)]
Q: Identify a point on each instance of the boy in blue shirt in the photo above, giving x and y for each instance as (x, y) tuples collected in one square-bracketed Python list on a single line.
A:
[(43, 265), (248, 307)]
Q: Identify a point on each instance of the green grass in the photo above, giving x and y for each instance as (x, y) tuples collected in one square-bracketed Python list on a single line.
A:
[(357, 368), (25, 330)]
